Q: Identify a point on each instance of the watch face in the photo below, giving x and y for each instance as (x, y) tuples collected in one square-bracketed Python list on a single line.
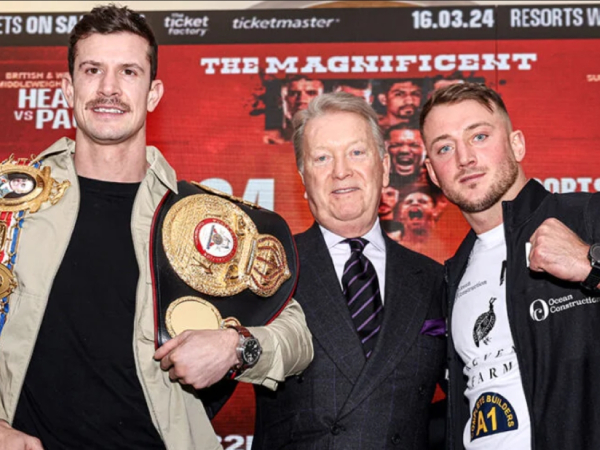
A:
[(252, 351), (595, 253)]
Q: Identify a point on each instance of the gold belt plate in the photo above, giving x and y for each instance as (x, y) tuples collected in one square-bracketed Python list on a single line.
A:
[(216, 249), (24, 187), (194, 313)]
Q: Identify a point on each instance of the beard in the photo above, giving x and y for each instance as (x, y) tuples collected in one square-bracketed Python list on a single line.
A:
[(406, 111), (505, 179), (384, 210)]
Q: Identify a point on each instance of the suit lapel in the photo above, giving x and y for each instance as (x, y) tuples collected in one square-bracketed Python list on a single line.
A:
[(326, 312), (405, 310)]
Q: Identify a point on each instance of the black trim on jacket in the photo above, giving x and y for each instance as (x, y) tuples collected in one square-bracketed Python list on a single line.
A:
[(558, 353)]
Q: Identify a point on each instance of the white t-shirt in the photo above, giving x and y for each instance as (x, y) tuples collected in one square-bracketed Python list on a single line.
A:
[(482, 337)]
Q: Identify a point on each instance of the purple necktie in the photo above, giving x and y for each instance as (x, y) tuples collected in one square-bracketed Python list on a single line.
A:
[(361, 289)]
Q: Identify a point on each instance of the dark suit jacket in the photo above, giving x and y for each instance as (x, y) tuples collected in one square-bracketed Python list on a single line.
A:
[(342, 401)]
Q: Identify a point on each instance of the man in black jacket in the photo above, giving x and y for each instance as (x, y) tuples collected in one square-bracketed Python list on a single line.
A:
[(523, 304)]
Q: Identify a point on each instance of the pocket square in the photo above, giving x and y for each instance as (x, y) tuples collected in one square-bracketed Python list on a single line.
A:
[(434, 327)]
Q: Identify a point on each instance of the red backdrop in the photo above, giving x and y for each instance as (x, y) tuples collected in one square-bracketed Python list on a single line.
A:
[(211, 126)]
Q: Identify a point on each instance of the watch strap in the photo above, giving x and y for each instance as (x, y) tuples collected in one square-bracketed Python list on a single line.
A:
[(242, 331), (244, 334), (592, 280)]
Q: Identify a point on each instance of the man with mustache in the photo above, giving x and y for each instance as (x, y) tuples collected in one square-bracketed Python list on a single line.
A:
[(372, 306), (79, 368), (522, 288), (401, 100)]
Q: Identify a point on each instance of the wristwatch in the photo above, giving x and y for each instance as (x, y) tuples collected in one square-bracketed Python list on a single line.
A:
[(248, 350), (592, 280)]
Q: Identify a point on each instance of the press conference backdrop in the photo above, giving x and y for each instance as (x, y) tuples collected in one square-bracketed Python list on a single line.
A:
[(233, 78)]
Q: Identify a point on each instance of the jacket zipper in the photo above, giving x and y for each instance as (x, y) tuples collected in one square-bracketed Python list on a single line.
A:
[(509, 311)]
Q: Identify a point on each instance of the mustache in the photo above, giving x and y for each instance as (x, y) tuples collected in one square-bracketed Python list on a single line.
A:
[(110, 102)]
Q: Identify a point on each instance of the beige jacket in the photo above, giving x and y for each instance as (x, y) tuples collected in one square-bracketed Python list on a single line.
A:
[(178, 416)]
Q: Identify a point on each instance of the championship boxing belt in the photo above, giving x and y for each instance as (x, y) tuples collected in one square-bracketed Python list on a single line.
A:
[(24, 187), (218, 260)]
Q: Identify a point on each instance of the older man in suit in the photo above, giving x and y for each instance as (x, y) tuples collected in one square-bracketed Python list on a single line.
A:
[(373, 306)]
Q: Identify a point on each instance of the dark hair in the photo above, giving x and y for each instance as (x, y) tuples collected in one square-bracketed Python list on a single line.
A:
[(109, 19), (290, 79), (456, 93), (389, 226), (386, 84), (18, 176), (423, 188), (353, 83), (399, 126)]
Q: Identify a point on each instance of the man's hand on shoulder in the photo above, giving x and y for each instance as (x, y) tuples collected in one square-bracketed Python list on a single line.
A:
[(557, 250), (199, 358), (11, 439)]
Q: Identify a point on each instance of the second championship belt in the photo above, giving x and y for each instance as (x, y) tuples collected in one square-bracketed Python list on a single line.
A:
[(218, 260), (24, 187)]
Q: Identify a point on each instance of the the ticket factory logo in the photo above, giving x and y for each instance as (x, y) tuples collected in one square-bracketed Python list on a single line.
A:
[(539, 309), (492, 414), (180, 24)]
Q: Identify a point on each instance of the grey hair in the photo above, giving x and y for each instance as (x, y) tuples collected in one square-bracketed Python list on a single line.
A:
[(331, 103)]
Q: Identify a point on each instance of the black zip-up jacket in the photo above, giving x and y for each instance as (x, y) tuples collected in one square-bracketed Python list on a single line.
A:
[(555, 326)]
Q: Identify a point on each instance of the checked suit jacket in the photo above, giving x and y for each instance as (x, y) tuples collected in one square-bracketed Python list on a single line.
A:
[(343, 401)]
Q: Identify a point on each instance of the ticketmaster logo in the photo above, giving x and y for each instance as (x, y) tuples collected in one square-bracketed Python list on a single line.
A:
[(539, 309), (257, 23)]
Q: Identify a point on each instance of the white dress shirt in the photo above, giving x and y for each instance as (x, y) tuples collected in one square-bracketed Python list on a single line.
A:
[(374, 251)]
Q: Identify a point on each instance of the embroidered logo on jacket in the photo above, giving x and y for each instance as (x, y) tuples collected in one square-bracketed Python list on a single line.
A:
[(540, 310)]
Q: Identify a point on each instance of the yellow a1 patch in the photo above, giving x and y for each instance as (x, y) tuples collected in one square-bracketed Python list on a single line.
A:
[(492, 414)]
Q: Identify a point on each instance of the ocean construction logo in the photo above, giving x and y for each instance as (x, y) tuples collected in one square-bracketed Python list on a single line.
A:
[(540, 310), (180, 24)]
